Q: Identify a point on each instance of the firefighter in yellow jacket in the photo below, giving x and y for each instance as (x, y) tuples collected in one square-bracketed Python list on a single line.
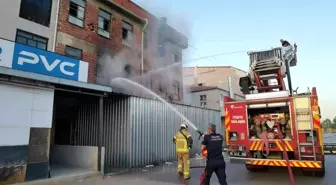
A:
[(183, 142)]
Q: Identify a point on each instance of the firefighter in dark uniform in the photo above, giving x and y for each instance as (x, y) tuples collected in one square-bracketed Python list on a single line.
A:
[(213, 143)]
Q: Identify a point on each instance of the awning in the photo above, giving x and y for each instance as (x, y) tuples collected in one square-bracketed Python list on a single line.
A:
[(53, 80)]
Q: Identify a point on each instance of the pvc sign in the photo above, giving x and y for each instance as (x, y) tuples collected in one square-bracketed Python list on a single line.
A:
[(30, 59)]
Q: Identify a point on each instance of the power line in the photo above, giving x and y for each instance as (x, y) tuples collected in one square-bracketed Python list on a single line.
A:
[(216, 55)]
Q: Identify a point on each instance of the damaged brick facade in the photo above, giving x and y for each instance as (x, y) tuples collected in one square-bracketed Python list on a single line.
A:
[(159, 37)]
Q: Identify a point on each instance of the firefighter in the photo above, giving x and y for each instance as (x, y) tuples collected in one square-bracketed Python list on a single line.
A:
[(213, 143), (284, 43), (183, 142)]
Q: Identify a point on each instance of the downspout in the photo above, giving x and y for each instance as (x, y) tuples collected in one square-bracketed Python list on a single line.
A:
[(56, 26), (142, 46)]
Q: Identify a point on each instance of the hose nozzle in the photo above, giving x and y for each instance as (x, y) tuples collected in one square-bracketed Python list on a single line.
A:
[(200, 134)]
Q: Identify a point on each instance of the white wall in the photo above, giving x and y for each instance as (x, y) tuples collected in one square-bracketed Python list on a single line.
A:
[(213, 99), (22, 108), (10, 21)]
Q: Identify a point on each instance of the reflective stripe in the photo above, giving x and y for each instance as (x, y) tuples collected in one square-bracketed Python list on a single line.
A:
[(179, 150), (188, 161)]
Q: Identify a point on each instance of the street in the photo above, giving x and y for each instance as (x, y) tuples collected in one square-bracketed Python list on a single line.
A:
[(236, 173)]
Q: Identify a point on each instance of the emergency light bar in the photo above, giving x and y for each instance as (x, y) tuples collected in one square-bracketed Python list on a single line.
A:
[(265, 105), (267, 95)]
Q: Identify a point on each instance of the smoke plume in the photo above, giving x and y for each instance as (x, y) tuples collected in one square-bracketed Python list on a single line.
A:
[(162, 62)]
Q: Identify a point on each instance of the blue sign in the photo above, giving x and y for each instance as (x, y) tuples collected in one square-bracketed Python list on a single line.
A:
[(26, 58), (40, 61)]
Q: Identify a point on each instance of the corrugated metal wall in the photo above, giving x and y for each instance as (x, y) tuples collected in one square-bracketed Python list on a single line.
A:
[(84, 130), (139, 131), (153, 126)]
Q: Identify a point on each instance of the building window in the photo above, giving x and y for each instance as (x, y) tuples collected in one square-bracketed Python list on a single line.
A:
[(104, 20), (176, 58), (31, 39), (73, 52), (203, 100), (176, 90), (128, 70), (76, 12), (127, 31), (221, 101), (37, 11), (145, 40)]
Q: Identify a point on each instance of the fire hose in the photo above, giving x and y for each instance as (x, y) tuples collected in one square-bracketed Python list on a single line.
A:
[(291, 176), (265, 145)]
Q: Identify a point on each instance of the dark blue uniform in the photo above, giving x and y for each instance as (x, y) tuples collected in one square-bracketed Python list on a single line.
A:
[(215, 159)]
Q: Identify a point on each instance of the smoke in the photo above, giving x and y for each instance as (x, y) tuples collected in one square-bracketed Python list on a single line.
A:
[(162, 62)]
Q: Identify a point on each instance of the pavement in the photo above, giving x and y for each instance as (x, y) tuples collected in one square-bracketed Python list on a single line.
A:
[(236, 175)]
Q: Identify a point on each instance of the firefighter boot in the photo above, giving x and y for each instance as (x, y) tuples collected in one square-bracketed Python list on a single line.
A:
[(186, 166)]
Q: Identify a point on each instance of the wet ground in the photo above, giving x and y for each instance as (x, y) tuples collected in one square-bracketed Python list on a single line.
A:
[(236, 173)]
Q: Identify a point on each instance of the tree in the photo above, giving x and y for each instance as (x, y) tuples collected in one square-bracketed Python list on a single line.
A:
[(333, 125), (327, 123)]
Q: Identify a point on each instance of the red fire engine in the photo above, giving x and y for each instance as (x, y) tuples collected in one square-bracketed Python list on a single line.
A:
[(274, 123)]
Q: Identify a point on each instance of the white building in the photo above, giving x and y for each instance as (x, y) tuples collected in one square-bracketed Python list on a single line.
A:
[(29, 22)]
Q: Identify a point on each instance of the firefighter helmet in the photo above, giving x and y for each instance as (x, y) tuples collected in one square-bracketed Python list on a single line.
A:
[(184, 125)]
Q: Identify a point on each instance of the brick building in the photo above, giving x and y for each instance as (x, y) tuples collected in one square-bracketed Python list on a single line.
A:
[(108, 35)]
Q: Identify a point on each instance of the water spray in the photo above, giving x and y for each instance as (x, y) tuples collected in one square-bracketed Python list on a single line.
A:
[(124, 80)]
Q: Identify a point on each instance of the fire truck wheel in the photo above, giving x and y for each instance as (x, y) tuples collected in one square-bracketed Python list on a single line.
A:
[(250, 168), (320, 173), (307, 173)]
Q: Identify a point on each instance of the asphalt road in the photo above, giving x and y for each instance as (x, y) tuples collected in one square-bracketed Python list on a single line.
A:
[(236, 175)]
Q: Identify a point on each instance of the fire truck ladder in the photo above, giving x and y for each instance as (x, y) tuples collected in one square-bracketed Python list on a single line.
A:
[(267, 66), (301, 124), (272, 66)]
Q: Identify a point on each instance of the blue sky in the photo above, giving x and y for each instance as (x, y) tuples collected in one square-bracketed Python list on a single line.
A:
[(221, 26)]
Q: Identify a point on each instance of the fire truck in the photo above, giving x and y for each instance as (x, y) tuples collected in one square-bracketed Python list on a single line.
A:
[(274, 126)]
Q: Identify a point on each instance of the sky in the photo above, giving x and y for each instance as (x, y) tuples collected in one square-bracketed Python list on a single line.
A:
[(233, 28)]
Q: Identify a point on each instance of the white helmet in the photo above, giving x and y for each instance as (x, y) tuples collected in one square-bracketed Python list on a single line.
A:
[(184, 125)]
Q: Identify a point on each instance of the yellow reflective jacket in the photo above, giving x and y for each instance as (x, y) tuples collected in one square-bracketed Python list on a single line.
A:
[(183, 141)]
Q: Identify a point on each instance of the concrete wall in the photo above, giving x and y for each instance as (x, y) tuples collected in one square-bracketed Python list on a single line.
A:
[(10, 20), (213, 76), (25, 123), (85, 157), (214, 99)]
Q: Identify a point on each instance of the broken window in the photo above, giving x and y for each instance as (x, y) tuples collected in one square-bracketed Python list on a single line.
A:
[(176, 89), (127, 31), (76, 12), (104, 19), (176, 58), (128, 70), (145, 40)]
